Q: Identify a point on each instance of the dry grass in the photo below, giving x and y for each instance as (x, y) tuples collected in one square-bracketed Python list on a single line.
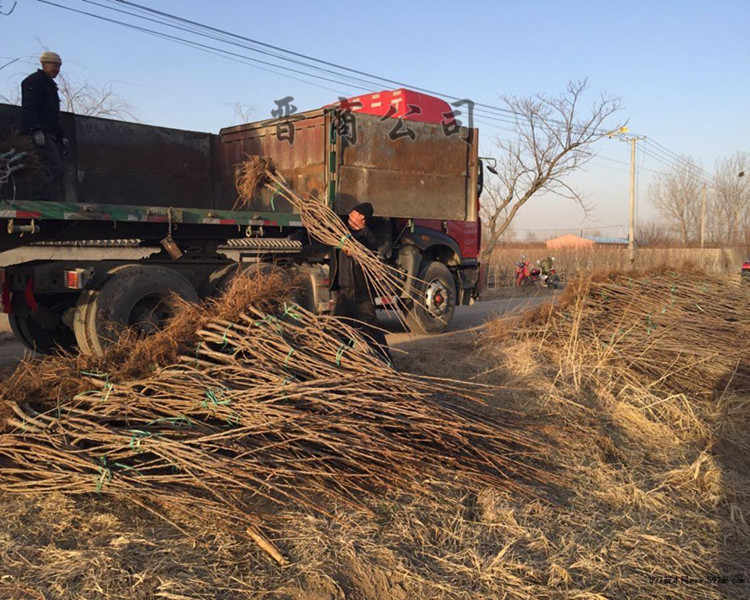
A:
[(655, 504), (571, 263), (649, 379)]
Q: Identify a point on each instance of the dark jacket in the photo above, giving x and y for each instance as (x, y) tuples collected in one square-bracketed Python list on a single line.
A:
[(345, 274), (40, 104)]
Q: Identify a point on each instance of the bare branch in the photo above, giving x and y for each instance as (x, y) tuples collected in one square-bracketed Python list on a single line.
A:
[(552, 141), (676, 194), (12, 8), (731, 199), (85, 99)]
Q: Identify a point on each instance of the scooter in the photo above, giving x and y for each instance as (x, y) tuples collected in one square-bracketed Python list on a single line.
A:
[(526, 276)]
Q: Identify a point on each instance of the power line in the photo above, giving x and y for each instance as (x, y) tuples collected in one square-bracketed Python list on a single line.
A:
[(192, 43), (504, 115), (678, 157), (219, 39), (483, 113), (503, 119), (311, 58), (672, 165), (681, 165)]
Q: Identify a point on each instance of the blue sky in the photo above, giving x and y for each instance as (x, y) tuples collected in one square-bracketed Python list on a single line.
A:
[(680, 69)]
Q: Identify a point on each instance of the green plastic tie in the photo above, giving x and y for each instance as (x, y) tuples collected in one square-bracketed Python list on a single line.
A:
[(96, 374), (125, 467), (288, 355), (289, 310), (137, 436), (212, 399), (182, 419), (107, 388), (195, 355), (343, 239), (266, 319), (105, 474), (339, 354)]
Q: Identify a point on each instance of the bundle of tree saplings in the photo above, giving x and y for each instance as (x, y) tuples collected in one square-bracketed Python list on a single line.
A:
[(267, 408), (683, 332), (324, 225)]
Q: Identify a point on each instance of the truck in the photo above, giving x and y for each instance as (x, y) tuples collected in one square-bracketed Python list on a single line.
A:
[(170, 195)]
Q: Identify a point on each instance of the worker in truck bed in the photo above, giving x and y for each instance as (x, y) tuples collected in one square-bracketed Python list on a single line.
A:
[(353, 298), (40, 119)]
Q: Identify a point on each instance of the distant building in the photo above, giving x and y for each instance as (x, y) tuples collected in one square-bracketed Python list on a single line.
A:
[(575, 241), (569, 241), (609, 241)]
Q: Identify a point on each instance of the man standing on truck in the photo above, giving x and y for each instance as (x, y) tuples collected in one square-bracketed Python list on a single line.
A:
[(40, 119)]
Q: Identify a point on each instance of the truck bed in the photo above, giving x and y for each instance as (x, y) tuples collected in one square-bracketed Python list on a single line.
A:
[(129, 180)]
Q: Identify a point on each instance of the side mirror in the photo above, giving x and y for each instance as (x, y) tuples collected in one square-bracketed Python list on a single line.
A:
[(492, 169)]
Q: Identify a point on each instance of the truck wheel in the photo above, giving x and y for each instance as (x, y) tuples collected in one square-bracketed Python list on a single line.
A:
[(437, 294), (136, 296), (44, 332)]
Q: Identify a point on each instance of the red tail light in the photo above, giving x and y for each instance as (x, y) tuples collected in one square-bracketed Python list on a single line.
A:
[(74, 279)]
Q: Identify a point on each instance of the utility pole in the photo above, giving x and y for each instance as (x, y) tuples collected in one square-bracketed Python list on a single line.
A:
[(631, 229), (620, 133), (703, 216)]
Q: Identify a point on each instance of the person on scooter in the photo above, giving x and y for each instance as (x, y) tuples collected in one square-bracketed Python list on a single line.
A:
[(547, 264)]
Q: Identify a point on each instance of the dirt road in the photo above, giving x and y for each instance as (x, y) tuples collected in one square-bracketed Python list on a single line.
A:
[(466, 319)]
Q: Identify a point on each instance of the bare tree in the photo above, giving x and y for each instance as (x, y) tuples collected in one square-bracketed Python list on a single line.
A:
[(652, 233), (552, 141), (491, 213), (676, 194), (83, 99), (731, 198), (243, 112)]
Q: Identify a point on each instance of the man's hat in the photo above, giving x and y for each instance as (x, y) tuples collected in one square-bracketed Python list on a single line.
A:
[(50, 57), (365, 209)]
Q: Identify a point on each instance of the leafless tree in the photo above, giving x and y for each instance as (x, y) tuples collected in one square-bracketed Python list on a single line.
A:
[(243, 112), (83, 99), (676, 194), (652, 233), (552, 140), (491, 214), (731, 198)]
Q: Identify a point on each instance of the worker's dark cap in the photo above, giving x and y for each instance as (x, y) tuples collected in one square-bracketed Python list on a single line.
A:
[(364, 208)]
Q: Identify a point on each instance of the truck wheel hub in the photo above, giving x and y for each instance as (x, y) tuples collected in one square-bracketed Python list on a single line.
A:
[(435, 297)]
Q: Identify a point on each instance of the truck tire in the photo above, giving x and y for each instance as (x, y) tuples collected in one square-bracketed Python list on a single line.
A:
[(436, 291), (45, 331), (134, 296)]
